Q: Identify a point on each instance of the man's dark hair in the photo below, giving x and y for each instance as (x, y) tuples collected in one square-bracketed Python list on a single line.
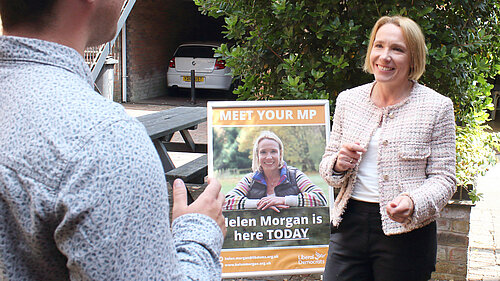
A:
[(16, 12)]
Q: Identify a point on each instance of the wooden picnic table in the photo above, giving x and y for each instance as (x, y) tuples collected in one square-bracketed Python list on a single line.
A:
[(162, 125)]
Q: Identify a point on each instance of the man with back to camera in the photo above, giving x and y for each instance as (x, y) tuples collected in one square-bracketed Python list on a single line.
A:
[(82, 190)]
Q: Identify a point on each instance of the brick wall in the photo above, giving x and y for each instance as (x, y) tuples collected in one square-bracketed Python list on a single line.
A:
[(453, 242), (154, 29)]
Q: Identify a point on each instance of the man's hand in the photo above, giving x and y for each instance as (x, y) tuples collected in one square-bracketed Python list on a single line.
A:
[(275, 203), (208, 203), (400, 209)]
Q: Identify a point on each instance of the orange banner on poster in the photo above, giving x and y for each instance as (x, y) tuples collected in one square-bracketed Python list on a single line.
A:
[(269, 115), (273, 259)]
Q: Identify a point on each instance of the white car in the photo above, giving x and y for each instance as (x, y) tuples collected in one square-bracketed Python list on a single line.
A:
[(210, 72)]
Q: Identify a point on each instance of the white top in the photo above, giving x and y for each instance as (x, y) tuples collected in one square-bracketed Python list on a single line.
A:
[(366, 186)]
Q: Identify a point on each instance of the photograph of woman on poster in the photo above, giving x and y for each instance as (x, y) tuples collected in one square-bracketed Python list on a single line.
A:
[(273, 184)]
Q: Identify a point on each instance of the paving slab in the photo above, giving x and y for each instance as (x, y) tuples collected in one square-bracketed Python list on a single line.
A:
[(484, 235)]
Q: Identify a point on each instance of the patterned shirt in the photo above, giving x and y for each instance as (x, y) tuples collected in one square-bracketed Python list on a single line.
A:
[(82, 190), (310, 194)]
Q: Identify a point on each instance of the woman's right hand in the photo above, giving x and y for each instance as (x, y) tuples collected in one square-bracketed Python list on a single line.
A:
[(348, 156)]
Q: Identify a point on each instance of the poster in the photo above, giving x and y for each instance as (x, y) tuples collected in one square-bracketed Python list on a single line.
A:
[(289, 238)]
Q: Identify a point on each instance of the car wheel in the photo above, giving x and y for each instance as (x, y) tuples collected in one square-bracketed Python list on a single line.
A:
[(172, 91)]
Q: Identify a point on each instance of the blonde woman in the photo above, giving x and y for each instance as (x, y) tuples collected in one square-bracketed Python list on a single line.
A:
[(392, 155), (273, 184)]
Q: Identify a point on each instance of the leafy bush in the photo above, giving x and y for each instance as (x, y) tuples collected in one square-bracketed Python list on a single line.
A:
[(302, 49), (475, 153)]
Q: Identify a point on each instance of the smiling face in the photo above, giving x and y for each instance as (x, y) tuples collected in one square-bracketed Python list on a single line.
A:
[(390, 56), (269, 155)]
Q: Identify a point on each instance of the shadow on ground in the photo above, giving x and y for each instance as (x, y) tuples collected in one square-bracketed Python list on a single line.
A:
[(182, 97)]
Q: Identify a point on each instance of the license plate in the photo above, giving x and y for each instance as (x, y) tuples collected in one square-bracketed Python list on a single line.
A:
[(196, 78)]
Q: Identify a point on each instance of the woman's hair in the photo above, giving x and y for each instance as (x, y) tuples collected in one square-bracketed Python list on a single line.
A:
[(255, 157), (414, 39)]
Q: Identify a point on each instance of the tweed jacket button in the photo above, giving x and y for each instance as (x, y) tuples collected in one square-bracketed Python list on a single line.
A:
[(386, 177), (385, 142)]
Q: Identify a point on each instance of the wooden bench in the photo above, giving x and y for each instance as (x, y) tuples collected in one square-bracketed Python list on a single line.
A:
[(162, 125), (191, 172)]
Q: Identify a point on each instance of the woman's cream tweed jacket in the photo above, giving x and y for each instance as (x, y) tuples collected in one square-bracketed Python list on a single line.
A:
[(416, 153)]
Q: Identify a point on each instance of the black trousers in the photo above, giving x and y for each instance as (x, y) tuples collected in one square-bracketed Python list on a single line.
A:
[(360, 251)]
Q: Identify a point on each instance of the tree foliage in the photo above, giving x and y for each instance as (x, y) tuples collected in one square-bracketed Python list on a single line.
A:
[(225, 148), (304, 49), (474, 155), (314, 49)]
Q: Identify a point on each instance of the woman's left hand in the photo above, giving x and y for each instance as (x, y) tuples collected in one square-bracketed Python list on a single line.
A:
[(400, 209), (275, 203)]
